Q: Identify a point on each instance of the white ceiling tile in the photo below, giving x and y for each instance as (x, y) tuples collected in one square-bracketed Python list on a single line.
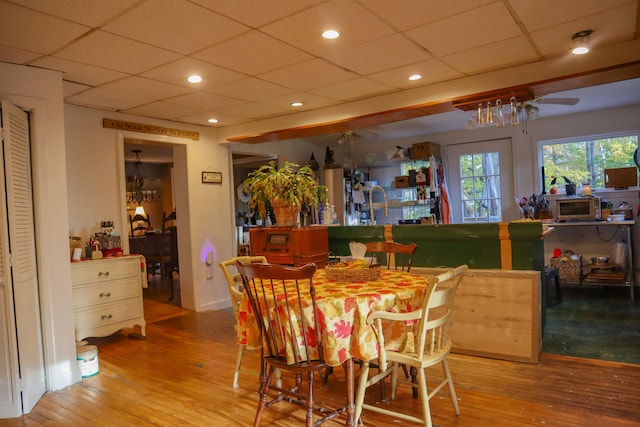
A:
[(86, 12), (618, 24), (223, 119), (204, 100), (176, 25), (431, 70), (145, 88), (357, 88), (309, 100), (355, 24), (492, 57), (106, 99), (251, 89), (177, 72), (162, 110), (536, 15), (17, 56), (247, 12), (413, 13), (70, 88), (116, 53), (366, 59), (308, 75), (266, 54), (254, 110), (471, 29), (79, 73), (33, 31)]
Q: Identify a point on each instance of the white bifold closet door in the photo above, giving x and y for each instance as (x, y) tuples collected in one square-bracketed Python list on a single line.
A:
[(22, 374)]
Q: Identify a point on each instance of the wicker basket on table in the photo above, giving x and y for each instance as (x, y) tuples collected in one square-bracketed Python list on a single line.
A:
[(342, 274)]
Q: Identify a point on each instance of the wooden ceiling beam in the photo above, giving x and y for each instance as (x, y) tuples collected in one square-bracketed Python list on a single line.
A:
[(534, 90)]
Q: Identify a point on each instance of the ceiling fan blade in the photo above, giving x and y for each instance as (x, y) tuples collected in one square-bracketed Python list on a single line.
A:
[(557, 101)]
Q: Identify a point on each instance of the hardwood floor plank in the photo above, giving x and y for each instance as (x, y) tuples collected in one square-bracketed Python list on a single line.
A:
[(181, 375)]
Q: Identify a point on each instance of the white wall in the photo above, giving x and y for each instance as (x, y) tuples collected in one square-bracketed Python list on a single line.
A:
[(41, 91)]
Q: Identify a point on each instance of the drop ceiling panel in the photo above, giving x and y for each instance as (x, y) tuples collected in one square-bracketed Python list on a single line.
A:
[(357, 88), (252, 89), (309, 100), (266, 54), (432, 70), (43, 34), (366, 58), (162, 110), (91, 12), (356, 26), (176, 25), (254, 110), (145, 88), (77, 72), (613, 25), (414, 13), (70, 88), (536, 15), (204, 100), (176, 72), (483, 26), (105, 99), (308, 75), (17, 56), (247, 12), (492, 57), (200, 118), (116, 53)]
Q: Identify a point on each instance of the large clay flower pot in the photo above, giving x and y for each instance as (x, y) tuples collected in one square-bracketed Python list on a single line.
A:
[(286, 215)]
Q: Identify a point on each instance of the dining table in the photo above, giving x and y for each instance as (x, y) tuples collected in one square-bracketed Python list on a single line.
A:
[(343, 308)]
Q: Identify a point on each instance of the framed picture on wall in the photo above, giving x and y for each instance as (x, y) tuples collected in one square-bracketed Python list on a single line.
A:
[(212, 177)]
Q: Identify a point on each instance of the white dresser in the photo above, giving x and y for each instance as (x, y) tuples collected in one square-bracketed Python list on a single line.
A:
[(107, 295)]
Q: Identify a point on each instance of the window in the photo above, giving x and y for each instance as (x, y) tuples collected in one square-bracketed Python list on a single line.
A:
[(584, 160), (480, 181)]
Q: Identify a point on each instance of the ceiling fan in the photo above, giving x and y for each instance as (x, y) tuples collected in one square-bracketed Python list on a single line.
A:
[(530, 111)]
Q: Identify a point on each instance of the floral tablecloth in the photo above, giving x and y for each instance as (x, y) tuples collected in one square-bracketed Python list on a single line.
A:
[(343, 309)]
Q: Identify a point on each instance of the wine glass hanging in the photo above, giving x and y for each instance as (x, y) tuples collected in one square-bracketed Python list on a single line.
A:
[(488, 115)]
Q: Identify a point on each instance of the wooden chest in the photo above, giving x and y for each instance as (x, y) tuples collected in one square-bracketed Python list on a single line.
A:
[(291, 245)]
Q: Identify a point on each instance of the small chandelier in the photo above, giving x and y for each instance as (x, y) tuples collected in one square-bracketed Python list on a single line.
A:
[(137, 191)]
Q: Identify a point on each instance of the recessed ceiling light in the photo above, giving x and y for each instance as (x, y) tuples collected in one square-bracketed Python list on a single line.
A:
[(194, 79), (331, 34), (581, 42), (212, 120), (415, 77), (297, 104)]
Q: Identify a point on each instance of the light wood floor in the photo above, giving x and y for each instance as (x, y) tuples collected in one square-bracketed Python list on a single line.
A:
[(181, 375)]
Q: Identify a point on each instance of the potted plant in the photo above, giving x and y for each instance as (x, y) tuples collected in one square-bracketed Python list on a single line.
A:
[(286, 190), (570, 186)]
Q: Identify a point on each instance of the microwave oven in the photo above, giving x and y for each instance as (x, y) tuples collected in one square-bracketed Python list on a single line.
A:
[(578, 208)]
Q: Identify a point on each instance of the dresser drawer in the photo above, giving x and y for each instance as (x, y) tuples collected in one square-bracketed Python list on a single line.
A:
[(103, 293), (101, 271), (108, 314)]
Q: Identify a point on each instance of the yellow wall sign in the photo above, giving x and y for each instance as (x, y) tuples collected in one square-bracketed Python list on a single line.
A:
[(156, 130)]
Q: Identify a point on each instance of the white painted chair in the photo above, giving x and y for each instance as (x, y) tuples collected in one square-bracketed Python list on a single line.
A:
[(432, 345), (234, 283)]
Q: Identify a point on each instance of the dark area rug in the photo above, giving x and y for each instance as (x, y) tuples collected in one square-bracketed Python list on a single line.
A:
[(594, 322)]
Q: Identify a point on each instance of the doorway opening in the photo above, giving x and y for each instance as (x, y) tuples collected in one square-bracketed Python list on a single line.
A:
[(152, 178)]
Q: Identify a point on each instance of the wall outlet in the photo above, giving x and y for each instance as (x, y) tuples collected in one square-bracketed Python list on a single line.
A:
[(208, 273)]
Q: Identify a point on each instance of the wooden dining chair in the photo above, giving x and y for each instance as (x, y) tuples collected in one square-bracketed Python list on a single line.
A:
[(234, 285), (284, 305), (396, 256), (432, 345)]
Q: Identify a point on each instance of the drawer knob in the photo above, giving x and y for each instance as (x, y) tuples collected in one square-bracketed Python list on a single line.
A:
[(103, 294), (106, 316), (103, 273)]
